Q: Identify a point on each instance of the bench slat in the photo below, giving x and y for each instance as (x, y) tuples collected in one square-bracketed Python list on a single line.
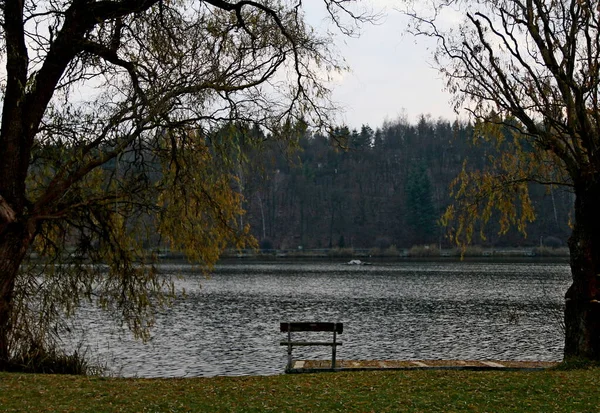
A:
[(309, 343), (309, 326)]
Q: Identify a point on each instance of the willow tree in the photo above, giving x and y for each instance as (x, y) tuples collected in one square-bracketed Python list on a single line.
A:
[(107, 107), (531, 66)]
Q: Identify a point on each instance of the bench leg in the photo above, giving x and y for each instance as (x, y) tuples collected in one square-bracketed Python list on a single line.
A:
[(289, 348), (289, 365), (333, 351), (333, 357)]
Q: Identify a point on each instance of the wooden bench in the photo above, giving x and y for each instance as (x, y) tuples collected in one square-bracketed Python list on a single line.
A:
[(289, 328)]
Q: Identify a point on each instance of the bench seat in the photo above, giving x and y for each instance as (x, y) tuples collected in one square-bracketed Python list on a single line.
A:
[(289, 327)]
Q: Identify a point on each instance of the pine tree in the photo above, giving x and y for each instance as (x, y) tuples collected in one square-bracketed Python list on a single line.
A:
[(420, 213)]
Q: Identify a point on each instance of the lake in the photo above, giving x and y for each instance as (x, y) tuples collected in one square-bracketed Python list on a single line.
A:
[(229, 324)]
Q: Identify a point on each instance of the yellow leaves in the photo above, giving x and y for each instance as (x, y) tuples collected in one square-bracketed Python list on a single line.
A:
[(483, 194), (199, 206), (501, 190)]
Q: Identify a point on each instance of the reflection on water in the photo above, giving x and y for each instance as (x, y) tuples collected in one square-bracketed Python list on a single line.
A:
[(229, 324)]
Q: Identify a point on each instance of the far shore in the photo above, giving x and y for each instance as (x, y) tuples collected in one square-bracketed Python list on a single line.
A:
[(429, 252), (389, 254)]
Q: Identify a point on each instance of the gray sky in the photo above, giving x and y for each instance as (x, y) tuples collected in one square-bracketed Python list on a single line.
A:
[(391, 72)]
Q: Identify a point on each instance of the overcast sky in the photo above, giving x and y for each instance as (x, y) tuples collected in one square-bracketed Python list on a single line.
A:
[(391, 72)]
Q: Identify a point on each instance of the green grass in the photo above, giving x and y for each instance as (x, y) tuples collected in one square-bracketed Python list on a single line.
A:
[(403, 391)]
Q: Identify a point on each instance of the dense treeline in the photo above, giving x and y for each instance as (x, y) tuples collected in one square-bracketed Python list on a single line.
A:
[(375, 188)]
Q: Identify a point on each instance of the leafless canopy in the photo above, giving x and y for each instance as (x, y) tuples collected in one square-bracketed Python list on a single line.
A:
[(536, 60)]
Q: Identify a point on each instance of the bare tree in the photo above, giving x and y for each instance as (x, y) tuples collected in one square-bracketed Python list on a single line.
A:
[(106, 113), (531, 65)]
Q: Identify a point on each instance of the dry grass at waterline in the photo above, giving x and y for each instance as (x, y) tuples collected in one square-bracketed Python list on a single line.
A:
[(405, 391)]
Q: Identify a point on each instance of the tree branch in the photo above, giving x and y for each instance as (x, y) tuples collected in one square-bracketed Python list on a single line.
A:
[(110, 55)]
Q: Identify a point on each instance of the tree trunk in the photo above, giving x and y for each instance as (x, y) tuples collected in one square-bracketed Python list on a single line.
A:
[(582, 300), (14, 243)]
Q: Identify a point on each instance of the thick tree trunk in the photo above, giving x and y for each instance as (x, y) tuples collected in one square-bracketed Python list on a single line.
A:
[(14, 242), (582, 300)]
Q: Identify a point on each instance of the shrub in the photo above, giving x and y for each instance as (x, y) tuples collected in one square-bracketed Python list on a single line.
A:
[(551, 252), (38, 359), (424, 251), (474, 251), (391, 251), (341, 252)]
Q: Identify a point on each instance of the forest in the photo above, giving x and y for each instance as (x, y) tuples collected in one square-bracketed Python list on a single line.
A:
[(374, 188)]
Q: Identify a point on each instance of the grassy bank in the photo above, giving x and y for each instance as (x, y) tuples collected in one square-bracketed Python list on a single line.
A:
[(410, 391)]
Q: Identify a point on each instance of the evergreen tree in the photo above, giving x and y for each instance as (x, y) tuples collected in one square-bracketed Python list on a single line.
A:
[(420, 213)]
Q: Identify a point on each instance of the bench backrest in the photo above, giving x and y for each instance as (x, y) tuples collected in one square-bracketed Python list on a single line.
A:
[(308, 326)]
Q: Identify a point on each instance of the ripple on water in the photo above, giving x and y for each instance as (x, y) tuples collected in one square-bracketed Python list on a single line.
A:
[(229, 324)]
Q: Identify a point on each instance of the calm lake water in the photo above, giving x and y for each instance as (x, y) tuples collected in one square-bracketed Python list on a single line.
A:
[(229, 324)]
